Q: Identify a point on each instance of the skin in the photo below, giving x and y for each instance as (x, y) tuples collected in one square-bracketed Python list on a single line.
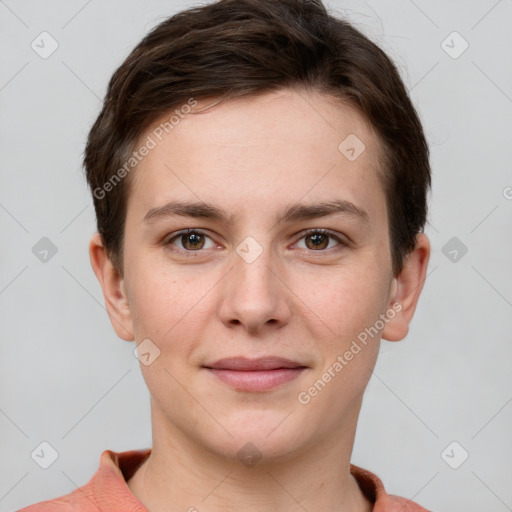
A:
[(254, 157)]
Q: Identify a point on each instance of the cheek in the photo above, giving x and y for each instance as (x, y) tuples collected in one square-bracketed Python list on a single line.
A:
[(173, 311), (349, 307), (345, 300), (159, 303)]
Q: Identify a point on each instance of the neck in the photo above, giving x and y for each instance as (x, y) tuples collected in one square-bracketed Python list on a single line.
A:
[(181, 475)]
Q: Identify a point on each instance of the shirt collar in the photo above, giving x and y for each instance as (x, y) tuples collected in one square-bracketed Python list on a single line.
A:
[(116, 468)]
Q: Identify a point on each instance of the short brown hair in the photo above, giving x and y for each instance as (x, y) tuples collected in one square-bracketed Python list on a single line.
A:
[(235, 48)]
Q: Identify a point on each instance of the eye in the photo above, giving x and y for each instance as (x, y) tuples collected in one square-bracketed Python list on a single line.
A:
[(318, 240), (191, 240), (195, 240)]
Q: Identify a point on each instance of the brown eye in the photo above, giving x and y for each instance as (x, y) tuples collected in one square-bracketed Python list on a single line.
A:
[(317, 241), (320, 239), (190, 240)]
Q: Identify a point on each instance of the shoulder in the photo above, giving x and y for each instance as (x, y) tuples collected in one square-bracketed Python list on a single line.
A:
[(81, 498), (66, 503), (374, 490), (401, 504), (106, 489)]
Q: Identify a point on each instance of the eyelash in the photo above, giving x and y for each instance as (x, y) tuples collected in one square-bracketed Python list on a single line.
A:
[(190, 253)]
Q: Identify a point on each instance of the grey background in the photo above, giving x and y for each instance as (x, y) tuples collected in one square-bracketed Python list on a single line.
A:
[(68, 380)]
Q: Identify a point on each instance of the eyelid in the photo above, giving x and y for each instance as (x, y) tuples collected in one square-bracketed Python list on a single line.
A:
[(178, 234), (342, 240)]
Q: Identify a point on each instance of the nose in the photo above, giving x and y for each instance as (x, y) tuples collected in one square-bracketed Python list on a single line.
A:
[(254, 295)]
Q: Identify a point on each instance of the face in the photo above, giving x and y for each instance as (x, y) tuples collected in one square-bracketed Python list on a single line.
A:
[(251, 233)]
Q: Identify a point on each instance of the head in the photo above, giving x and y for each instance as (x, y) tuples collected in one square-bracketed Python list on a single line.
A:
[(253, 123)]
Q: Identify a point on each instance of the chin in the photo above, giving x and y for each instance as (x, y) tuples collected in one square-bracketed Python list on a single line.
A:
[(269, 435)]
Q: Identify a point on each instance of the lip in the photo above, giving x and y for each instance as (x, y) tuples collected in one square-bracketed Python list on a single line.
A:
[(259, 364), (255, 375)]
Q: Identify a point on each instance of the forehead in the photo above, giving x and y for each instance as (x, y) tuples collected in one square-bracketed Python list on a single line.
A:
[(261, 151)]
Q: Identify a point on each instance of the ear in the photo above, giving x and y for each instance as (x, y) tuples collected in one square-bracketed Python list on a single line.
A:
[(406, 289), (114, 291)]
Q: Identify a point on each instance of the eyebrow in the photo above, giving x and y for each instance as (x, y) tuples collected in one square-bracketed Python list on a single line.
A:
[(292, 213)]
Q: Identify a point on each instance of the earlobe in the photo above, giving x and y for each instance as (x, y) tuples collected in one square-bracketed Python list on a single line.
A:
[(113, 287), (406, 289)]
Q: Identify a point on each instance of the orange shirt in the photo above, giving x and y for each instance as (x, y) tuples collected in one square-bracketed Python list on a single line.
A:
[(107, 490)]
